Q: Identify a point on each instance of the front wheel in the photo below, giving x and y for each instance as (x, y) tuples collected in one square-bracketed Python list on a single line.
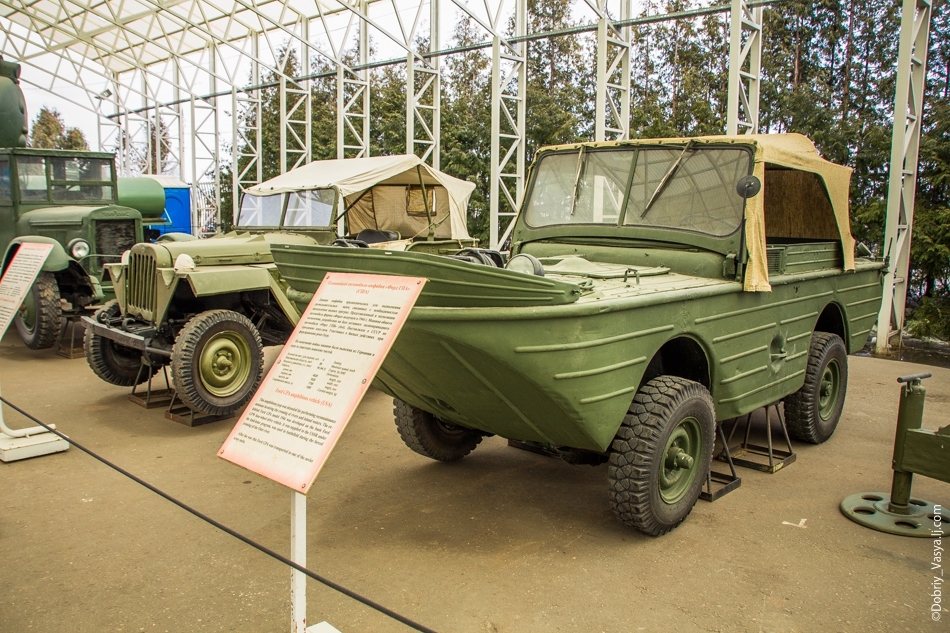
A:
[(116, 364), (431, 437), (660, 456), (217, 362), (812, 412), (40, 318)]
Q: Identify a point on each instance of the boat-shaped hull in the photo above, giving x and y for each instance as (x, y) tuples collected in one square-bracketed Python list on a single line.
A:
[(565, 374)]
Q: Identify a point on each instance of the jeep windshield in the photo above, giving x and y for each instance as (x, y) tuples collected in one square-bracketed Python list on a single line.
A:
[(684, 187), (313, 208)]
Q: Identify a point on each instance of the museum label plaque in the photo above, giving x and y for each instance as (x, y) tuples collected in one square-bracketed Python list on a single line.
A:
[(19, 278), (300, 410)]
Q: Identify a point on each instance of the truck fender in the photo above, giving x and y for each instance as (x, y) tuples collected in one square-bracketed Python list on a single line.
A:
[(57, 261)]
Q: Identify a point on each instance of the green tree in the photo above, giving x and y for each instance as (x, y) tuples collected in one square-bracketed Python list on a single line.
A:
[(49, 131)]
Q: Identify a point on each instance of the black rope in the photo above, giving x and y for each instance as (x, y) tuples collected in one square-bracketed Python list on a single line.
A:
[(329, 583)]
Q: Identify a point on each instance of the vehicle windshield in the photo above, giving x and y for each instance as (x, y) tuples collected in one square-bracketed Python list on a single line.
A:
[(687, 187), (304, 209), (77, 179)]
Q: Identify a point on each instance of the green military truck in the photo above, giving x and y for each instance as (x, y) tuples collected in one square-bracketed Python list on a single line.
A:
[(207, 307), (655, 287), (69, 199)]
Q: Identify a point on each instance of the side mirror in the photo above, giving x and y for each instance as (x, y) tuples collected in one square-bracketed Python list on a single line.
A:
[(748, 186)]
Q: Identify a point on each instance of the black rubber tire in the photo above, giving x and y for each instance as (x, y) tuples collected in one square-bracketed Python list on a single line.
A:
[(431, 437), (187, 352), (48, 314), (116, 364), (637, 454), (803, 408)]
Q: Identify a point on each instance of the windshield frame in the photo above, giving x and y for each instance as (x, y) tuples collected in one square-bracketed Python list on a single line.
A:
[(284, 204), (619, 228)]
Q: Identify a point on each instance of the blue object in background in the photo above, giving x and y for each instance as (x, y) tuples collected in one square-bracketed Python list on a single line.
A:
[(177, 206)]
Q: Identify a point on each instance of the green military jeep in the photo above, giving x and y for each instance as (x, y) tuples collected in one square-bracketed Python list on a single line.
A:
[(652, 290), (207, 307), (68, 199)]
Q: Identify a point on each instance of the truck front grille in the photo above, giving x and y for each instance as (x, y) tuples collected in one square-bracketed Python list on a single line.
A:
[(114, 237), (143, 273)]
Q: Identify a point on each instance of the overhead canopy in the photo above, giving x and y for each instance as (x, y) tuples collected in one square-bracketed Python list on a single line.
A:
[(791, 151), (353, 176)]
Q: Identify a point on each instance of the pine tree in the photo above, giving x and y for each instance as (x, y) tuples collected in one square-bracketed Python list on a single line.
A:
[(50, 132)]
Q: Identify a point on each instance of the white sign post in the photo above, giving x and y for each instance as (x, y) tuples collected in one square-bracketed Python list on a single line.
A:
[(307, 398), (16, 283)]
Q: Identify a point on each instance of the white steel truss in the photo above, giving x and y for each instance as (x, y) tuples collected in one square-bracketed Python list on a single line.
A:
[(508, 104), (745, 68), (902, 179), (612, 101)]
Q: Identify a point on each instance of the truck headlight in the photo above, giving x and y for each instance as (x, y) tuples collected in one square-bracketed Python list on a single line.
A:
[(79, 248)]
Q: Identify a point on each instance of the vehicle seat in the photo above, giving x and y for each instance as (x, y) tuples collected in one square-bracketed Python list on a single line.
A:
[(374, 236)]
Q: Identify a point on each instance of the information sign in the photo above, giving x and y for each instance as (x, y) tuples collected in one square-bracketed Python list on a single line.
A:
[(19, 278), (305, 401)]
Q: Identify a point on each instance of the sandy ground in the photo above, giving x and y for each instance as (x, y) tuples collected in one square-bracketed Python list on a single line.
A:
[(504, 541)]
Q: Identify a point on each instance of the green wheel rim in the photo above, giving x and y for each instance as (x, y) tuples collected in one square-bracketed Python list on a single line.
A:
[(680, 460), (828, 390), (225, 364), (28, 312)]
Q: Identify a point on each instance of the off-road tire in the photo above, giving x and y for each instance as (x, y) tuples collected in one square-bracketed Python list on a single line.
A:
[(48, 318), (208, 340), (810, 415), (431, 437), (666, 413), (115, 363)]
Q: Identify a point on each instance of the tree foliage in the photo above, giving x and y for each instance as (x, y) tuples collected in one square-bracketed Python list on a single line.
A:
[(828, 72), (49, 131)]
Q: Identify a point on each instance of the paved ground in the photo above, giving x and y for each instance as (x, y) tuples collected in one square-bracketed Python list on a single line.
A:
[(504, 541)]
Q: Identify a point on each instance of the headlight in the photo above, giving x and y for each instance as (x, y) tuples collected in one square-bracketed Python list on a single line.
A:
[(524, 263), (79, 248)]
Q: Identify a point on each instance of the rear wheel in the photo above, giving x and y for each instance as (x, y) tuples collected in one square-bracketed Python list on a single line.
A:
[(217, 362), (661, 454), (429, 436), (114, 363), (40, 318), (812, 412)]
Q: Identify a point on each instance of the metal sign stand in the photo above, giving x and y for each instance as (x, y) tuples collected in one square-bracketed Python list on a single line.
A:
[(298, 581), (30, 442), (15, 283)]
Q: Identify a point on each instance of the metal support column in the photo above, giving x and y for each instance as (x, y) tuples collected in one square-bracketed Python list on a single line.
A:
[(745, 68), (295, 110), (423, 96), (508, 101), (902, 180), (246, 133), (353, 96), (612, 103)]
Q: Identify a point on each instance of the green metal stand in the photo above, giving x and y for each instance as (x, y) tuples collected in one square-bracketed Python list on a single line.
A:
[(916, 451)]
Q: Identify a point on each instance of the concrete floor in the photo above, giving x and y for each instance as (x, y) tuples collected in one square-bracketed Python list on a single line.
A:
[(504, 541)]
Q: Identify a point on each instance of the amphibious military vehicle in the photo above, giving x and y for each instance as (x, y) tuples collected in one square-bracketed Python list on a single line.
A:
[(654, 288)]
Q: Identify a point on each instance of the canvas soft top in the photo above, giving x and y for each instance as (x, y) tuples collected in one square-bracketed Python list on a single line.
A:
[(355, 175), (793, 151)]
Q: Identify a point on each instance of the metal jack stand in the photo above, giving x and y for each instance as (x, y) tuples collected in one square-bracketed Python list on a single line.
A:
[(916, 450), (728, 482), (777, 459), (152, 399), (69, 348), (180, 412)]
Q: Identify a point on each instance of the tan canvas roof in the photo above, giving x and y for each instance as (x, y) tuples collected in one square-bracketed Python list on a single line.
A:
[(794, 151), (355, 175)]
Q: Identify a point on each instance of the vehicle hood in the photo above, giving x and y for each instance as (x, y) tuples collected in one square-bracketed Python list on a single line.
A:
[(231, 248)]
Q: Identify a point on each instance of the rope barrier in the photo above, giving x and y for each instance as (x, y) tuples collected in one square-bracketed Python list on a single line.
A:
[(266, 550)]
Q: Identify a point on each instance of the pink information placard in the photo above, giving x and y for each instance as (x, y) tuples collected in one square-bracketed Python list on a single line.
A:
[(19, 278), (300, 410)]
